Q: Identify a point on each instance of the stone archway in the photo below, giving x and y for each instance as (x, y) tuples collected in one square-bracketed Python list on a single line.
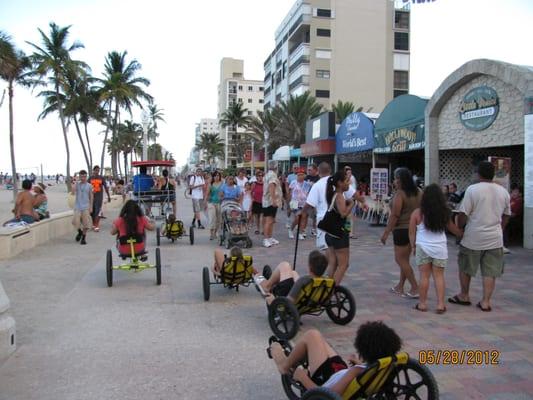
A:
[(519, 80)]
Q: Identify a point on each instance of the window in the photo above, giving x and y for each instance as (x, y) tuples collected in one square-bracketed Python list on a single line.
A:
[(250, 88), (401, 20), (249, 100), (401, 41), (401, 80), (240, 100), (284, 70), (261, 101), (323, 54), (261, 88), (250, 112), (399, 92), (240, 87), (322, 94), (322, 73), (323, 12), (323, 32)]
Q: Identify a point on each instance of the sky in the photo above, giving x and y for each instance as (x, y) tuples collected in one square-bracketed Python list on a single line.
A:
[(180, 45)]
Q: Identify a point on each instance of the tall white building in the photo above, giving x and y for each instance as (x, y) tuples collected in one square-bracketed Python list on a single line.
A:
[(234, 88), (209, 126), (349, 50)]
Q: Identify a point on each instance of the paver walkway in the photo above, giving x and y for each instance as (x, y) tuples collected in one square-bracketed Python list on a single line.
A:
[(78, 339)]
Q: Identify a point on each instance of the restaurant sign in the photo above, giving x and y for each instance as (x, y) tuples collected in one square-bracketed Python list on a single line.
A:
[(479, 108), (400, 140)]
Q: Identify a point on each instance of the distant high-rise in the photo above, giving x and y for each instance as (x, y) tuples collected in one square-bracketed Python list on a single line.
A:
[(233, 89), (349, 50)]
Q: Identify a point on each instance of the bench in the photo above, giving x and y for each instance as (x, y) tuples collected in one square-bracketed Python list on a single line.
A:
[(15, 240)]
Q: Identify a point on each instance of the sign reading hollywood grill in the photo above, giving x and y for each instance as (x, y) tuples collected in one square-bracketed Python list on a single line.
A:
[(479, 108)]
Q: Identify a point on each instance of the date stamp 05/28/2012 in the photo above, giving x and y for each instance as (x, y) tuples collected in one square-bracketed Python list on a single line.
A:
[(459, 357)]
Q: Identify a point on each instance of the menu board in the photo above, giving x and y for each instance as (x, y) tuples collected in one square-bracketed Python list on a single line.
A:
[(379, 182)]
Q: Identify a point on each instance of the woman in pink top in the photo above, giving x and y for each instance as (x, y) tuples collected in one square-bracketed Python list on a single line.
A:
[(257, 199), (131, 223)]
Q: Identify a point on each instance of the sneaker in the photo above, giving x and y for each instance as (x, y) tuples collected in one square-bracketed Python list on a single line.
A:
[(83, 240), (267, 243), (291, 234), (288, 225), (273, 241), (301, 236), (96, 229), (79, 235), (506, 250), (200, 226), (313, 232)]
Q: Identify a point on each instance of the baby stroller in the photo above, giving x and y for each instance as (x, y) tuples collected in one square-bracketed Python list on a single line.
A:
[(234, 226)]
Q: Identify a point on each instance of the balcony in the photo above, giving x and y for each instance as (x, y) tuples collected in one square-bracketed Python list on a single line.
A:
[(303, 49), (302, 80)]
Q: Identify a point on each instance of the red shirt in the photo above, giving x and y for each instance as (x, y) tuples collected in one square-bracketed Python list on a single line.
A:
[(517, 205), (257, 192), (123, 231)]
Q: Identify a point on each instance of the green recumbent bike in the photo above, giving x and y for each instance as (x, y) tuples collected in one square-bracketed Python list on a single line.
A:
[(319, 295), (137, 261), (396, 377)]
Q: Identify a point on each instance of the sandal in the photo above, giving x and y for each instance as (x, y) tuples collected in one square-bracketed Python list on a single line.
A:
[(488, 309), (394, 290), (440, 311), (456, 300), (417, 308)]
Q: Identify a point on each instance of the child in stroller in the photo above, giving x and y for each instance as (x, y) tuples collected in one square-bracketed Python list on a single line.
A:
[(234, 225)]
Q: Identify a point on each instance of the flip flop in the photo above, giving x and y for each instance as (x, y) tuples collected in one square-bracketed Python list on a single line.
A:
[(456, 300), (408, 295), (440, 310), (394, 290), (417, 308), (488, 309)]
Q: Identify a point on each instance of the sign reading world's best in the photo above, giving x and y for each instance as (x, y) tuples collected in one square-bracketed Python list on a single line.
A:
[(479, 108), (355, 134)]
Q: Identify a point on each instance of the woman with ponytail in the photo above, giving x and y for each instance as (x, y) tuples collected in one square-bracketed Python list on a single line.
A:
[(338, 251)]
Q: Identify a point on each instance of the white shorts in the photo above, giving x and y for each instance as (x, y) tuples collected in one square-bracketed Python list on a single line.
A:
[(321, 240)]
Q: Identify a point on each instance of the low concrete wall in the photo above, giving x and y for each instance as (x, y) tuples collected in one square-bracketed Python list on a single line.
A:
[(7, 328), (15, 240)]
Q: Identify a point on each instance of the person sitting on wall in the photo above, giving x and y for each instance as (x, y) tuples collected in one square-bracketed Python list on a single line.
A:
[(23, 205)]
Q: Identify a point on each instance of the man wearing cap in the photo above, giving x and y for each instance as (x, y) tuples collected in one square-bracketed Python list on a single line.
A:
[(40, 202), (99, 185)]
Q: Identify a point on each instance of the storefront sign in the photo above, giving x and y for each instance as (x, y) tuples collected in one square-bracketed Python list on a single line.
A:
[(479, 108), (355, 134), (318, 148), (400, 140)]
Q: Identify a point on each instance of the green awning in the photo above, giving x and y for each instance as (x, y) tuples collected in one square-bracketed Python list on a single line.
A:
[(400, 127)]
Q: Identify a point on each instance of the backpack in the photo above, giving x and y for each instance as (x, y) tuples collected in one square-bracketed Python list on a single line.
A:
[(175, 229)]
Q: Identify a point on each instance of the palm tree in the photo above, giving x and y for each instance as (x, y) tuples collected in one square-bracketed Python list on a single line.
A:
[(128, 137), (120, 88), (293, 115), (235, 117), (155, 152), (343, 109), (155, 114), (212, 145), (13, 66), (53, 60)]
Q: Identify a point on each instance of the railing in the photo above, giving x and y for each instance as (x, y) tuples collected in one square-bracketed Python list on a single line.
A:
[(301, 50), (300, 61), (302, 80)]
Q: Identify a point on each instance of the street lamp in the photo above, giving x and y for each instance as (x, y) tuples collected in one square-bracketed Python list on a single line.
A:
[(252, 160), (145, 118), (266, 134)]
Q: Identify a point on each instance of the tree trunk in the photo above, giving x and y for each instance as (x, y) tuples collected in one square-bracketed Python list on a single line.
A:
[(114, 155), (119, 168), (88, 144), (12, 143), (89, 166), (105, 138), (125, 167), (64, 128)]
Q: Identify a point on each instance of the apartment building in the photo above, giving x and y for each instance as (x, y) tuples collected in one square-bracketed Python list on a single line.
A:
[(234, 88), (206, 125), (349, 50)]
